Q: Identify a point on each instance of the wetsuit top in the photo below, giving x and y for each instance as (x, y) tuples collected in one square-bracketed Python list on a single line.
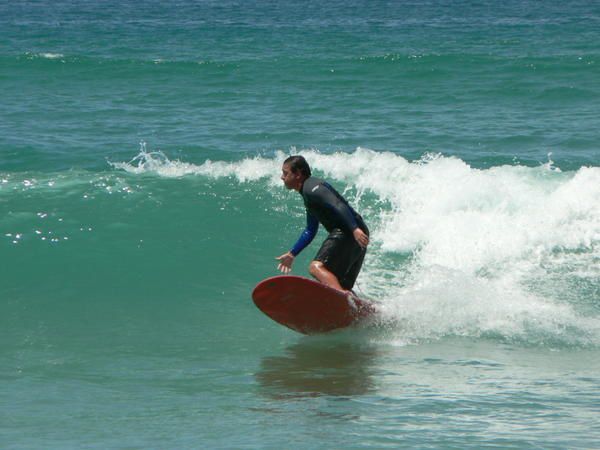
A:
[(326, 206)]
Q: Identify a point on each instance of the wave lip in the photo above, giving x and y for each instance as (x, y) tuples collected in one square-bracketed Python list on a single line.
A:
[(157, 163)]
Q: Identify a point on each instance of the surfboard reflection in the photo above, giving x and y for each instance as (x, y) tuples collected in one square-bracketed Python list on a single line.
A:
[(309, 369)]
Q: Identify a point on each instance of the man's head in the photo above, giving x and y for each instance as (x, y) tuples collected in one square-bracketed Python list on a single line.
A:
[(294, 171)]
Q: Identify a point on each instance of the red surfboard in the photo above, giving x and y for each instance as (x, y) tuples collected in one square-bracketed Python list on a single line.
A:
[(307, 306)]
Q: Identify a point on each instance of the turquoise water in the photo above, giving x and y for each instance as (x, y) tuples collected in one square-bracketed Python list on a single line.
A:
[(140, 200)]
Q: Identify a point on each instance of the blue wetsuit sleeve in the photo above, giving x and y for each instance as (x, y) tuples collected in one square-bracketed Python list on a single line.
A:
[(309, 233)]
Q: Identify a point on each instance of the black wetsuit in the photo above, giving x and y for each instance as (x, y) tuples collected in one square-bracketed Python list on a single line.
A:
[(340, 252)]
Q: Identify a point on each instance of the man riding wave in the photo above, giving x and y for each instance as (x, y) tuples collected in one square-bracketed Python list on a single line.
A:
[(341, 255)]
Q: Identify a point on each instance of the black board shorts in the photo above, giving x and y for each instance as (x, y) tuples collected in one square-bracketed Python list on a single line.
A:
[(342, 256)]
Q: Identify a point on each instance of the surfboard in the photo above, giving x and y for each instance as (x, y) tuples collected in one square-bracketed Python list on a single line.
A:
[(307, 306)]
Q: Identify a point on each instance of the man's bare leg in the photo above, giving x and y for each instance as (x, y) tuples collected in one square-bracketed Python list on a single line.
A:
[(317, 269)]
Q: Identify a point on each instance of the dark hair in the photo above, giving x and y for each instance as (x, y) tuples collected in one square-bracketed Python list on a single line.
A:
[(297, 164)]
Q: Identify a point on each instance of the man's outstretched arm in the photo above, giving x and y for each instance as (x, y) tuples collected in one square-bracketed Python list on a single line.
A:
[(287, 259)]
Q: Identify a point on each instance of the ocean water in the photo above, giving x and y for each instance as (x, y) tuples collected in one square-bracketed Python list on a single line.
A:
[(140, 202)]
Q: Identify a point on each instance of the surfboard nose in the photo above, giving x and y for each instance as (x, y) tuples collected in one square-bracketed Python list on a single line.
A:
[(307, 306)]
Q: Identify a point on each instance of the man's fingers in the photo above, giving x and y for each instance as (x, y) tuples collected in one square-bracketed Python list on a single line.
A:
[(363, 241), (283, 268)]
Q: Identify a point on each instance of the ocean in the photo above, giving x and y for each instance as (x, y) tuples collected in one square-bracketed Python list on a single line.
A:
[(141, 146)]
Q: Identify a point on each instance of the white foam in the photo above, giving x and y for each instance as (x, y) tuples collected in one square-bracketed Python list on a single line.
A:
[(50, 55), (157, 163), (441, 302)]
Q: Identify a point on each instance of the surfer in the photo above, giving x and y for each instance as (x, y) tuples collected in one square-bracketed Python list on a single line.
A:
[(341, 255)]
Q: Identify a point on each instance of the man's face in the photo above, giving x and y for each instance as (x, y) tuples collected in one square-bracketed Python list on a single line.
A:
[(289, 178)]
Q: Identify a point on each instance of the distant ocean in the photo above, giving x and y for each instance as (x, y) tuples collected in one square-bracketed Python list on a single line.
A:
[(140, 151)]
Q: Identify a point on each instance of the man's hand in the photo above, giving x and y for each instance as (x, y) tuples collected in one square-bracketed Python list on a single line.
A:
[(361, 237), (285, 262)]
